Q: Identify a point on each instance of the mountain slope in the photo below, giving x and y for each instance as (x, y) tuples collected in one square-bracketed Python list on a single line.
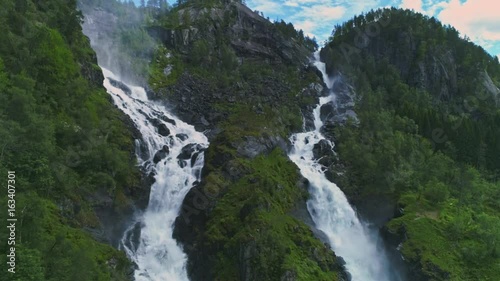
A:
[(427, 137), (238, 77), (71, 150)]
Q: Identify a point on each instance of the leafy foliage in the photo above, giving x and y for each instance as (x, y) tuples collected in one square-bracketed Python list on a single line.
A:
[(432, 152), (249, 231), (64, 139)]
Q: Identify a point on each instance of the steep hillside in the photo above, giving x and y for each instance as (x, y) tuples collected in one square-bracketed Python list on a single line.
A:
[(416, 127), (71, 150), (244, 81), (427, 136)]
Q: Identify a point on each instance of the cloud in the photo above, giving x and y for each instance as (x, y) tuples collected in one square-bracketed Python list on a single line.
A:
[(317, 17), (321, 13), (307, 26), (478, 19), (268, 6), (416, 5), (291, 4)]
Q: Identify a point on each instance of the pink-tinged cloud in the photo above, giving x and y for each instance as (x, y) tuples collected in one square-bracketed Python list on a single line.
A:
[(478, 19), (322, 12), (307, 26), (415, 5)]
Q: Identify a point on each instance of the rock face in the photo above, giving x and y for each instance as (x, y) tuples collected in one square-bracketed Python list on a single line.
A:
[(252, 39), (437, 72), (250, 35), (247, 121), (252, 146)]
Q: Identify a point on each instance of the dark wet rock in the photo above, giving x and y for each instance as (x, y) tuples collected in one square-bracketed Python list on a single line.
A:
[(188, 150), (324, 153), (182, 163), (120, 85), (149, 92), (233, 170), (194, 157), (182, 137), (163, 130), (307, 113), (327, 111), (168, 120), (170, 140), (141, 149), (246, 210), (322, 148), (160, 126), (161, 154)]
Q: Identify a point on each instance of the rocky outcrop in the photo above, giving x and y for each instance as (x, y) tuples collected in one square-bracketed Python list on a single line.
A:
[(489, 86), (251, 146), (249, 34), (436, 69)]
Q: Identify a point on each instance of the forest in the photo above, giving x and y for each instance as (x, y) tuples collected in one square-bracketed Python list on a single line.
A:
[(433, 146), (65, 141), (428, 138)]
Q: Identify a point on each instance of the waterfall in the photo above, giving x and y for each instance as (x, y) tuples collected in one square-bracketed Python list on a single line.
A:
[(173, 151), (329, 208)]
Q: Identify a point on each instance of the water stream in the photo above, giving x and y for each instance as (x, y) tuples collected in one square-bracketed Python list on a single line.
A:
[(173, 151), (354, 241)]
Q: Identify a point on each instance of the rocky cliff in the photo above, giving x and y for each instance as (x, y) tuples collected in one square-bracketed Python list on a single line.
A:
[(245, 82)]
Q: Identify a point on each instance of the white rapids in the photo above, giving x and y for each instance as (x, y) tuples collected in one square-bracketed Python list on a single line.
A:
[(329, 208), (179, 155)]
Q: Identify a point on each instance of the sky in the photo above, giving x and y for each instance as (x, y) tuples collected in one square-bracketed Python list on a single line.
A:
[(478, 19)]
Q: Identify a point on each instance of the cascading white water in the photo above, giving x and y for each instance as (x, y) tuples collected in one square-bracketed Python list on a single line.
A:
[(177, 148), (329, 208)]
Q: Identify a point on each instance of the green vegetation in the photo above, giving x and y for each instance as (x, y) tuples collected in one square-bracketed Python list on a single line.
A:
[(64, 139), (67, 143), (249, 233), (417, 142), (251, 220), (289, 31), (208, 52), (436, 154)]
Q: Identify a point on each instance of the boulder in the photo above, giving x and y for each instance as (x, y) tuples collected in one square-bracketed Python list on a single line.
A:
[(182, 137), (163, 130), (161, 154)]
